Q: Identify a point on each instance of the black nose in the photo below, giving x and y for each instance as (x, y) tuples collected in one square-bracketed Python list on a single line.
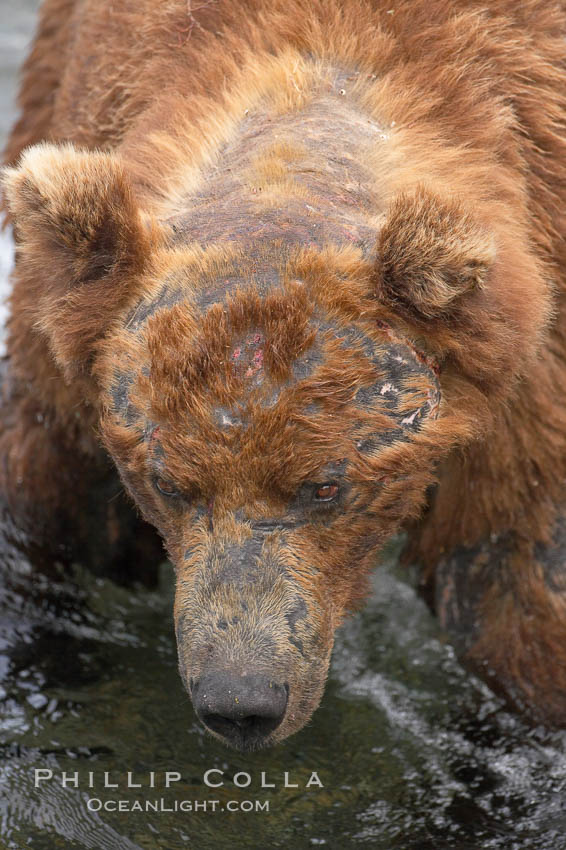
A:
[(242, 709)]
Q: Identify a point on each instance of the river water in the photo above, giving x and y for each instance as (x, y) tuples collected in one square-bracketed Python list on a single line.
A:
[(412, 752)]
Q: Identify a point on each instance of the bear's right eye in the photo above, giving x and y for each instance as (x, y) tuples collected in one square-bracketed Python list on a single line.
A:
[(166, 488), (326, 492)]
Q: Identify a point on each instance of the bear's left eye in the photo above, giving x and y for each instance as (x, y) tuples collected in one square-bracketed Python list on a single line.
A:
[(166, 488), (326, 492)]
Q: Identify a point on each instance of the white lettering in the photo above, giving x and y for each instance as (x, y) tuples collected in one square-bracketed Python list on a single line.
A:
[(132, 784), (264, 783), (289, 784), (70, 779), (107, 783), (213, 784), (41, 774), (171, 776), (314, 780)]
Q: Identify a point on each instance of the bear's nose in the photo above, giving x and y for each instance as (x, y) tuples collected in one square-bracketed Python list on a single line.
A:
[(242, 709)]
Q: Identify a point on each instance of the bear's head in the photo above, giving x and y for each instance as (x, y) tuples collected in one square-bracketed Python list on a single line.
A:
[(264, 405)]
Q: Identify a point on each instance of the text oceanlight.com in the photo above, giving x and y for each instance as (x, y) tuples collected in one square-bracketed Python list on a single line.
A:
[(168, 780), (95, 804)]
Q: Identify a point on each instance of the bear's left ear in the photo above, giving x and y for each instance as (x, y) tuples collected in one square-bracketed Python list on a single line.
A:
[(82, 246), (431, 252)]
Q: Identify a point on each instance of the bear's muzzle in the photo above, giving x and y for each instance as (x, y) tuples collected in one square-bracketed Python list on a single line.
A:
[(253, 642)]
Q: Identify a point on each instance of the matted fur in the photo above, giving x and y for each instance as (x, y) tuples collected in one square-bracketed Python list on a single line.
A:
[(256, 202)]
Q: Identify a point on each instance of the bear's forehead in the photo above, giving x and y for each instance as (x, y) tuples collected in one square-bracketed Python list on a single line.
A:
[(252, 363)]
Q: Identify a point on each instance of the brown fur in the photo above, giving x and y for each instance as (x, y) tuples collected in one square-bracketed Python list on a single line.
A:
[(256, 207), (431, 253)]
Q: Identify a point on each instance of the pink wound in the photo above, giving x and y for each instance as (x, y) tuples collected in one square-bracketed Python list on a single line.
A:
[(248, 356)]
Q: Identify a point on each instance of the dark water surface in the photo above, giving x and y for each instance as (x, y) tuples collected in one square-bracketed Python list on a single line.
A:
[(413, 752)]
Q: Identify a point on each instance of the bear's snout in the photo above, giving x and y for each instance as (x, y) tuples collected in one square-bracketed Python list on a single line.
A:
[(244, 710), (253, 639)]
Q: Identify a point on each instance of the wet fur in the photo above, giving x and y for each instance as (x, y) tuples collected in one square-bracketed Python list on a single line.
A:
[(295, 171)]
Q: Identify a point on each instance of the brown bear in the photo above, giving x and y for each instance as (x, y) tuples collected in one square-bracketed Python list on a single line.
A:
[(298, 267)]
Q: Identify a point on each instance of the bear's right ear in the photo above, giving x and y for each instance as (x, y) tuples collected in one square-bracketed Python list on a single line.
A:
[(431, 253), (82, 246)]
